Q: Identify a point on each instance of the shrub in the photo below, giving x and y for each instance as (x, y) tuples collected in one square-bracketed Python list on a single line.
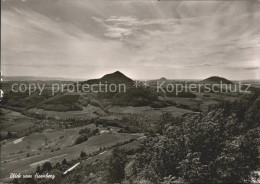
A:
[(83, 154), (81, 139), (46, 166), (64, 162)]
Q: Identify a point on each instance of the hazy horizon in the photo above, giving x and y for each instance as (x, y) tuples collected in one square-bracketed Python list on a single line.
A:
[(142, 39), (84, 79)]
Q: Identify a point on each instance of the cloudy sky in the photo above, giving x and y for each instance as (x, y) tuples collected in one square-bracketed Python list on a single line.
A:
[(143, 39)]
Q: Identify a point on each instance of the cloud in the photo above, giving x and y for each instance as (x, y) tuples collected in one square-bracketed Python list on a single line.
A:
[(251, 68), (31, 39), (201, 65), (192, 39), (245, 68)]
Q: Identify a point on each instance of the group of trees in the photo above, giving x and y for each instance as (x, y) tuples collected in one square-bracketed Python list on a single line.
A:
[(135, 97), (9, 135), (81, 139), (84, 134), (116, 166), (46, 166)]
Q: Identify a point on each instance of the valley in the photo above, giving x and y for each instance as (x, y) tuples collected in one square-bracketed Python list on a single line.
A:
[(57, 129)]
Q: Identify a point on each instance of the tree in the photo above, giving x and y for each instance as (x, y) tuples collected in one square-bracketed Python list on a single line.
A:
[(46, 166), (116, 165), (9, 135), (83, 154), (64, 162), (57, 164), (95, 132), (38, 169)]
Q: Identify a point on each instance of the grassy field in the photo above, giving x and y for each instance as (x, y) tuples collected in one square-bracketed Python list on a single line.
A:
[(27, 153), (15, 122), (86, 113)]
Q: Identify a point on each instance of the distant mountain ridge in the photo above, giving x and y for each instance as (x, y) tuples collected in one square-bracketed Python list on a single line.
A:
[(35, 78), (216, 80), (116, 78)]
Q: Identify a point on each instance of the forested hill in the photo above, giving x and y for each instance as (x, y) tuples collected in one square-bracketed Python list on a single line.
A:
[(219, 146)]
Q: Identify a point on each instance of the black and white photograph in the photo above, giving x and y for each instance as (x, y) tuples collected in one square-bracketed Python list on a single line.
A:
[(130, 92)]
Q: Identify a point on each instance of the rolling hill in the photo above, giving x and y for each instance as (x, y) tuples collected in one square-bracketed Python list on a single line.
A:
[(216, 80), (115, 78)]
